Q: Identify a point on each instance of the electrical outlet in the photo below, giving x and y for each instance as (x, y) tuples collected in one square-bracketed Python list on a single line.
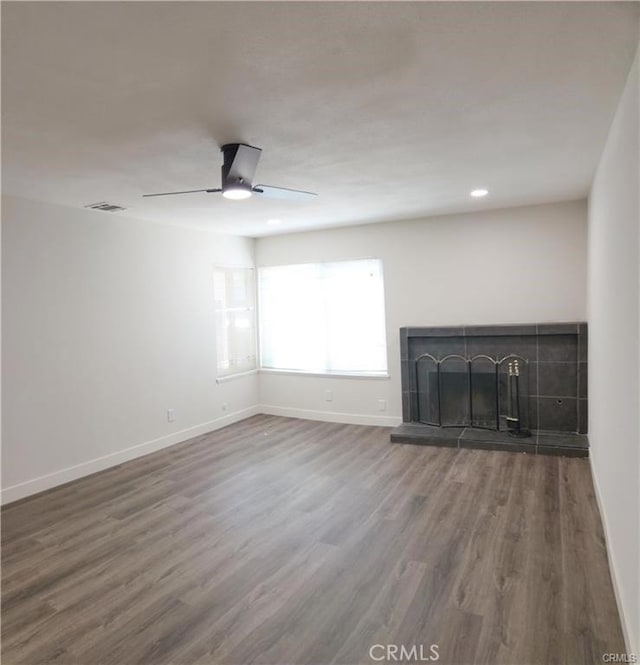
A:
[(171, 415), (225, 406), (382, 405), (328, 395)]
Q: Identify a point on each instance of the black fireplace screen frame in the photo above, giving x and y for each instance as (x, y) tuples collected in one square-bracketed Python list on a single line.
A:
[(468, 362)]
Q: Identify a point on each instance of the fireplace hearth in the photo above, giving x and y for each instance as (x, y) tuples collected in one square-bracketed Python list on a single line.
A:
[(509, 387)]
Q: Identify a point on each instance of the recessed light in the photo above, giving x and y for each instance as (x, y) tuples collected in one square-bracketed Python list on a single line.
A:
[(478, 193), (274, 222)]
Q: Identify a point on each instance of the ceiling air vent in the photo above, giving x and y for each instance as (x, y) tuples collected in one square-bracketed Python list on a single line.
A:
[(107, 207)]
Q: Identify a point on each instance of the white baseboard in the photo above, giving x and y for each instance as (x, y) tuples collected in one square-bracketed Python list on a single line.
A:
[(615, 579), (21, 490), (330, 416), (42, 483)]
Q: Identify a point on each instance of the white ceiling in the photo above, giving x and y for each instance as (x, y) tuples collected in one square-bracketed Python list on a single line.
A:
[(387, 110)]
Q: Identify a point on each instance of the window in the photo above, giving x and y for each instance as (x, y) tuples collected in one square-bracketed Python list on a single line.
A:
[(323, 317), (234, 295)]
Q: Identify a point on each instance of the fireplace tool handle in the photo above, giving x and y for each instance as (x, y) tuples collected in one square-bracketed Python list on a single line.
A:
[(514, 395), (516, 383), (509, 394), (512, 415)]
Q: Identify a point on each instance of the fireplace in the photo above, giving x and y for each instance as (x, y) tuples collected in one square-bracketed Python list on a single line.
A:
[(477, 391), (519, 387)]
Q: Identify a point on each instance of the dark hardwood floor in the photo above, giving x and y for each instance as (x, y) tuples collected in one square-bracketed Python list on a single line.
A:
[(286, 541)]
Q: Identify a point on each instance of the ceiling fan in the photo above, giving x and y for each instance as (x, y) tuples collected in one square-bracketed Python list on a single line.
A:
[(238, 169)]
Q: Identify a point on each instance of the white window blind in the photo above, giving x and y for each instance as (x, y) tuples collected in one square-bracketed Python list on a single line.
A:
[(323, 317), (234, 296)]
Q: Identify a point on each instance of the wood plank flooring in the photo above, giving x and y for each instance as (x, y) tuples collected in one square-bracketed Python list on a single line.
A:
[(283, 541)]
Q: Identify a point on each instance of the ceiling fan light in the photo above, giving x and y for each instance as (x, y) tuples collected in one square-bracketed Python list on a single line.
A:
[(236, 193)]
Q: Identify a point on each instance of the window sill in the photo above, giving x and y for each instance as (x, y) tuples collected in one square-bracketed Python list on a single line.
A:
[(333, 375), (233, 377)]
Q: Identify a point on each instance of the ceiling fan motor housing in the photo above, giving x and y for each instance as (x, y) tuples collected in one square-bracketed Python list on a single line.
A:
[(233, 177)]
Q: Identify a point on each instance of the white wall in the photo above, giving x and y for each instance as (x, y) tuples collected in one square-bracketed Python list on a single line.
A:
[(614, 359), (506, 266), (107, 322)]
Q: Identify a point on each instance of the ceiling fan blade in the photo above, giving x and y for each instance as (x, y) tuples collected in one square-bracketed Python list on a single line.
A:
[(240, 162), (189, 191), (281, 193)]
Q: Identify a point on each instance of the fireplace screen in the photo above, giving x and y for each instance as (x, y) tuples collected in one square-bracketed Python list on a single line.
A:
[(473, 392), (483, 392), (428, 390), (455, 405)]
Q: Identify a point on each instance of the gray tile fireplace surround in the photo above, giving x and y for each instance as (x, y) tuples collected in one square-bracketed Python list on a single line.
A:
[(556, 390)]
